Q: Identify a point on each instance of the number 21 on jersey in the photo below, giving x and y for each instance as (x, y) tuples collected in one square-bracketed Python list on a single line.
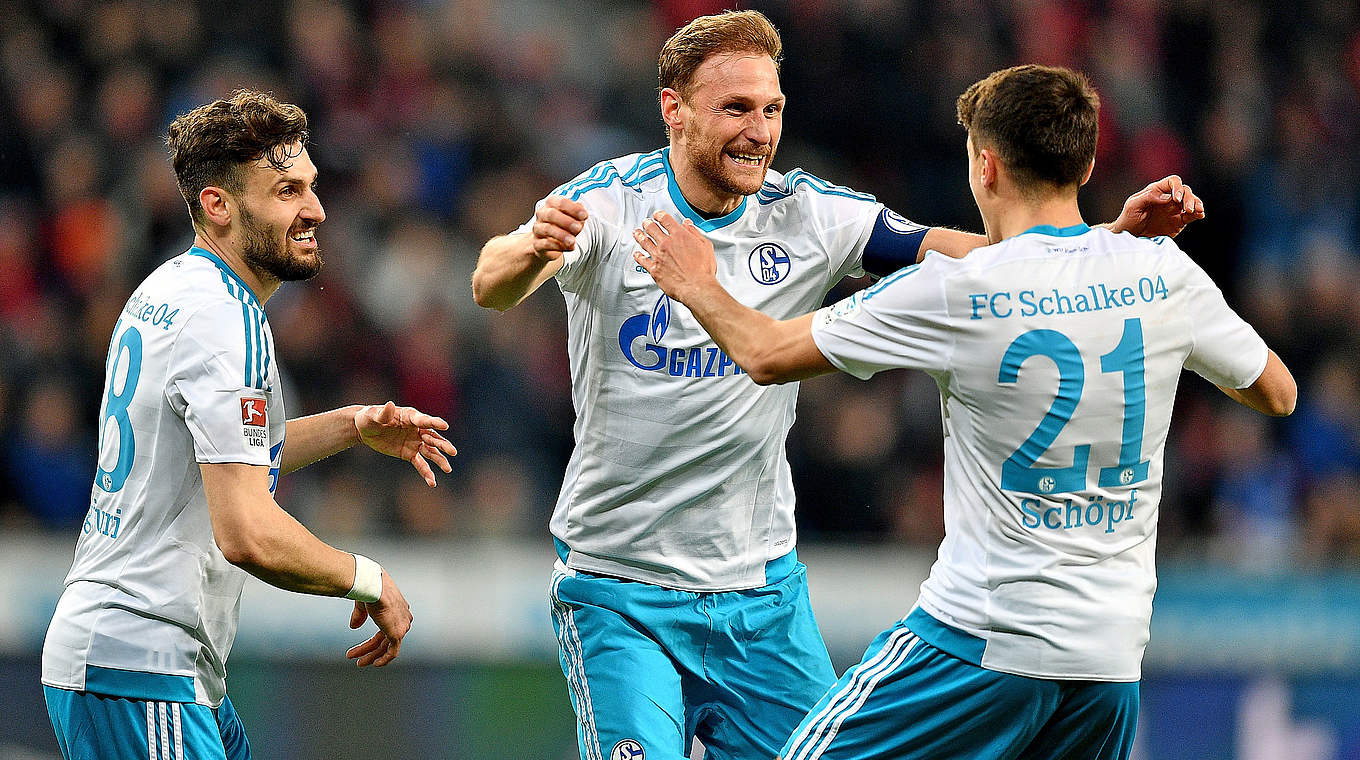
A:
[(1018, 472)]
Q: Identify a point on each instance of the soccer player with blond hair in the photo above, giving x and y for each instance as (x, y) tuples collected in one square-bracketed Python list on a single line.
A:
[(1057, 349), (680, 605)]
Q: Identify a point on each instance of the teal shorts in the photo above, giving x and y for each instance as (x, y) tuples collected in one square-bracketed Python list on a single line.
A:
[(93, 726), (911, 699), (650, 668)]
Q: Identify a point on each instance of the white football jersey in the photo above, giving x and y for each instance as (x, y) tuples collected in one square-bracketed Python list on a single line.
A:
[(1057, 354), (150, 605), (679, 476)]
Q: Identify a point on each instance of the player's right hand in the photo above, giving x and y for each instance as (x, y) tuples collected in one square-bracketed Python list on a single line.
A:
[(393, 617), (556, 224)]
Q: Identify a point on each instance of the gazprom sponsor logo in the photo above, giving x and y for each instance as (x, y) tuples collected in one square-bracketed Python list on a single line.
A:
[(641, 340)]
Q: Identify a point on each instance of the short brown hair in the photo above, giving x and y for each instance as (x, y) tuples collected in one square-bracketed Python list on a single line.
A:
[(726, 32), (212, 143), (1041, 120)]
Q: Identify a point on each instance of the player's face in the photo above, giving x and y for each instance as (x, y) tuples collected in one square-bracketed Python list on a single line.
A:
[(732, 121), (279, 215)]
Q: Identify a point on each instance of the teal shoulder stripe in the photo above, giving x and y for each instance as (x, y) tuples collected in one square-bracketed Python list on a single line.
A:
[(800, 177), (592, 176), (610, 176), (890, 279), (643, 163), (248, 378), (657, 172)]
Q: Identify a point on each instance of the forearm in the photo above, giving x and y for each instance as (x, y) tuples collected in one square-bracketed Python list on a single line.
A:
[(285, 554), (953, 243), (508, 270), (767, 349), (311, 439), (255, 534)]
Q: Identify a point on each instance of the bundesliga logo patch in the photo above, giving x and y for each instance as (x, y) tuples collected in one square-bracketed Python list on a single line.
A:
[(254, 422), (252, 412)]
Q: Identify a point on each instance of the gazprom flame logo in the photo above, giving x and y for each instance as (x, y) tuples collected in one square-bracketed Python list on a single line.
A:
[(652, 326), (661, 317)]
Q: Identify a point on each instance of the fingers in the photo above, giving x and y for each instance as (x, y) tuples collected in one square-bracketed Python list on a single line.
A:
[(423, 467), (417, 418), (557, 222), (573, 209), (358, 616), (435, 455), (370, 651)]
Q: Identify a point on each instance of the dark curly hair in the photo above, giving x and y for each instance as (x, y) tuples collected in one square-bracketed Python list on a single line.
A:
[(211, 144)]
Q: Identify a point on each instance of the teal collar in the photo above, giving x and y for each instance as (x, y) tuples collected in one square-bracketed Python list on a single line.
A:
[(1048, 229), (678, 198), (226, 272)]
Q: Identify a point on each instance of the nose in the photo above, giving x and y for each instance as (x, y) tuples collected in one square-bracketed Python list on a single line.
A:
[(312, 211), (758, 129)]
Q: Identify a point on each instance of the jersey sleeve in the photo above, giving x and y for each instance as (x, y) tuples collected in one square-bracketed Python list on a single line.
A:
[(900, 322), (843, 219), (217, 378), (598, 190), (1225, 350)]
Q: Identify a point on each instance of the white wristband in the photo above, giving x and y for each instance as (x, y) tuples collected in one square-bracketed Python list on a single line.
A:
[(368, 581)]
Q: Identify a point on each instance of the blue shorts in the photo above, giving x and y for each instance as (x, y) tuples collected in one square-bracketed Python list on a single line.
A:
[(93, 726), (911, 699), (650, 668)]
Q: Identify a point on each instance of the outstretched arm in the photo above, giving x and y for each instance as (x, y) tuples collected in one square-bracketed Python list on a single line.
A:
[(1164, 207), (513, 266), (681, 260), (397, 431), (255, 534)]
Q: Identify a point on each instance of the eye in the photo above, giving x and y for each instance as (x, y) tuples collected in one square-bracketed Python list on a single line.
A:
[(288, 191), (773, 109)]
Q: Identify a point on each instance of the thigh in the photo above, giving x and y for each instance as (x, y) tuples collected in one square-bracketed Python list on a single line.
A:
[(1094, 721), (231, 731), (624, 686), (766, 667), (97, 727), (907, 699)]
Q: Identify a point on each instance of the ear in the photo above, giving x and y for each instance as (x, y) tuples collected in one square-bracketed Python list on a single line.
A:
[(1087, 176), (670, 109), (215, 205), (988, 167)]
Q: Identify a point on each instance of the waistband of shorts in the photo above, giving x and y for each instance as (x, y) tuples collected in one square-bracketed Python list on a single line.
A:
[(945, 637), (776, 569)]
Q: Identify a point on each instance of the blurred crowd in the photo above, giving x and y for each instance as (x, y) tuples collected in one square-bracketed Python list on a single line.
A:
[(437, 125)]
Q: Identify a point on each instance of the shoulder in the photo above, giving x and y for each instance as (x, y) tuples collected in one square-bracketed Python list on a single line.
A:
[(804, 187), (615, 175)]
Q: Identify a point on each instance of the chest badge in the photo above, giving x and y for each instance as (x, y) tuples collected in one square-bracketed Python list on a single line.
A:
[(769, 263)]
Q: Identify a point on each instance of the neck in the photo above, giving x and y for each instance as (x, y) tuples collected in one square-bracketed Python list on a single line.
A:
[(1010, 218), (263, 286), (699, 192)]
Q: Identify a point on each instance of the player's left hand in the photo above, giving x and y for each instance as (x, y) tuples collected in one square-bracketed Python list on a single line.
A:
[(676, 254), (1162, 208), (406, 433)]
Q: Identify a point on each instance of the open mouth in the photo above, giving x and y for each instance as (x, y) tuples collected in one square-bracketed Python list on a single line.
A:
[(748, 159), (306, 237)]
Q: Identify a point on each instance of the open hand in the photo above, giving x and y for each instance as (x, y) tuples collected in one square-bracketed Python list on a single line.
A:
[(406, 433), (1162, 208), (676, 255)]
